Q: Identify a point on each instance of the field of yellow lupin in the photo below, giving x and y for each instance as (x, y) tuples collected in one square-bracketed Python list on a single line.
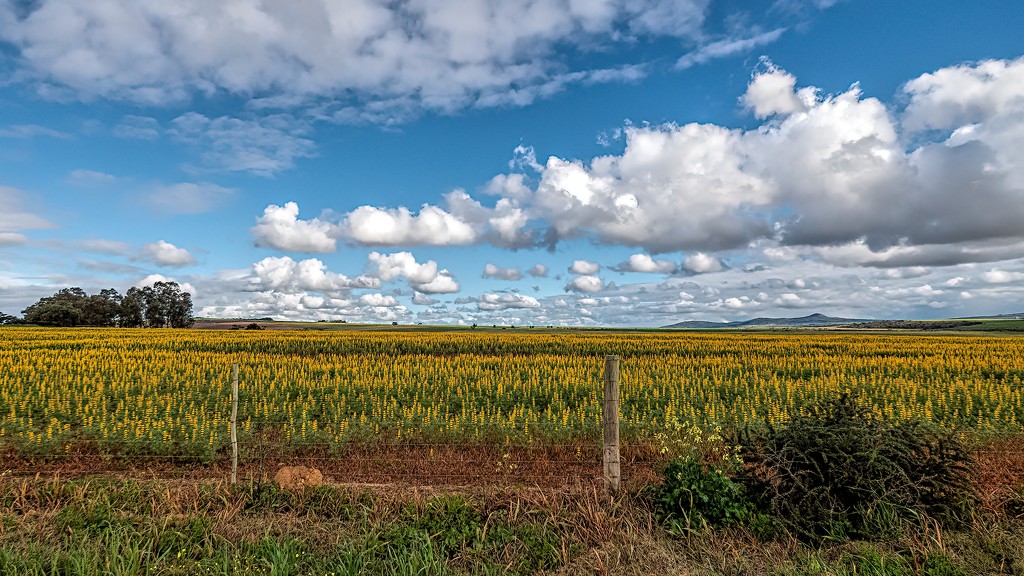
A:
[(168, 391)]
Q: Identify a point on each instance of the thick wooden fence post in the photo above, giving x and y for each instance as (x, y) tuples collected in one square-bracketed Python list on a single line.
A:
[(234, 423), (612, 474)]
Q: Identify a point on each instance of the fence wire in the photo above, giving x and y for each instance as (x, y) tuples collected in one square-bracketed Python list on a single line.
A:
[(59, 440), (423, 463)]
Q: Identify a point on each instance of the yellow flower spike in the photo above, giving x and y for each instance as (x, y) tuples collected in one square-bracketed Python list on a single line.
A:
[(121, 386)]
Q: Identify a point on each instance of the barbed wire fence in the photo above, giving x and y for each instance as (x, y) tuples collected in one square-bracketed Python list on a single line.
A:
[(255, 451), (389, 460), (255, 448)]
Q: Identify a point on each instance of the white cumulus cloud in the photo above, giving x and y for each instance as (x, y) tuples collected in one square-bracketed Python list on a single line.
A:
[(444, 283), (432, 226), (538, 271), (774, 92), (421, 299), (423, 277), (506, 301), (492, 270), (379, 300), (164, 253), (283, 274), (584, 267), (280, 228), (585, 284), (700, 263), (996, 276), (644, 263)]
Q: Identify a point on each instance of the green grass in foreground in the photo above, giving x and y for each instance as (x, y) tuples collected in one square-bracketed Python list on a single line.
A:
[(109, 526)]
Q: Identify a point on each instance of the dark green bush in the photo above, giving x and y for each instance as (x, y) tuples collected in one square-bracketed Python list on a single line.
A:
[(695, 496), (838, 471)]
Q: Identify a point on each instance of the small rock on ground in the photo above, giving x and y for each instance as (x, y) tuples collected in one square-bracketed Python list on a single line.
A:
[(298, 477)]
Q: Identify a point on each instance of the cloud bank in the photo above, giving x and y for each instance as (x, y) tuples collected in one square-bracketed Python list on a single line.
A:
[(423, 54), (840, 177)]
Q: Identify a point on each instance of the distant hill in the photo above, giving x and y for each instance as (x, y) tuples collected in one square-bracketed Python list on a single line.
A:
[(803, 321), (1014, 316), (702, 324)]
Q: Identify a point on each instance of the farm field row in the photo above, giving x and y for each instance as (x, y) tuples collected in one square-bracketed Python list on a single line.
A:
[(168, 391)]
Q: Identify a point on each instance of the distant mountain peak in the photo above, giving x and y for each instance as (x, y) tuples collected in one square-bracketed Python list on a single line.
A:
[(811, 320)]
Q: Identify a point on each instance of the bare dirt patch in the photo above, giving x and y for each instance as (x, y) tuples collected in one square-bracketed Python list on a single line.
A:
[(402, 464)]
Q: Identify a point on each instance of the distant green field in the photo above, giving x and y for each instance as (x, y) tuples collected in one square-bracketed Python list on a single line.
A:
[(997, 325)]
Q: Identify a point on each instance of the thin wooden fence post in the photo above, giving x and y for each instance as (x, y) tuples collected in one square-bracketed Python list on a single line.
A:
[(234, 423), (612, 473)]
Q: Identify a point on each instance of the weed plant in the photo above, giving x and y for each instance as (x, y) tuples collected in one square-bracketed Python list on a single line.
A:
[(696, 496), (839, 472)]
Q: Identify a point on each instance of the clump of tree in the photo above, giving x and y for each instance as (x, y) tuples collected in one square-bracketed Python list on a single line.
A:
[(162, 305), (7, 319)]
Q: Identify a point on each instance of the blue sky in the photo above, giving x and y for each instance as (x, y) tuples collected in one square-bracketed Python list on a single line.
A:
[(594, 162)]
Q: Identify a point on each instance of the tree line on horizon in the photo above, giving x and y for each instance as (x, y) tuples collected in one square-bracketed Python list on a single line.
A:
[(162, 305)]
